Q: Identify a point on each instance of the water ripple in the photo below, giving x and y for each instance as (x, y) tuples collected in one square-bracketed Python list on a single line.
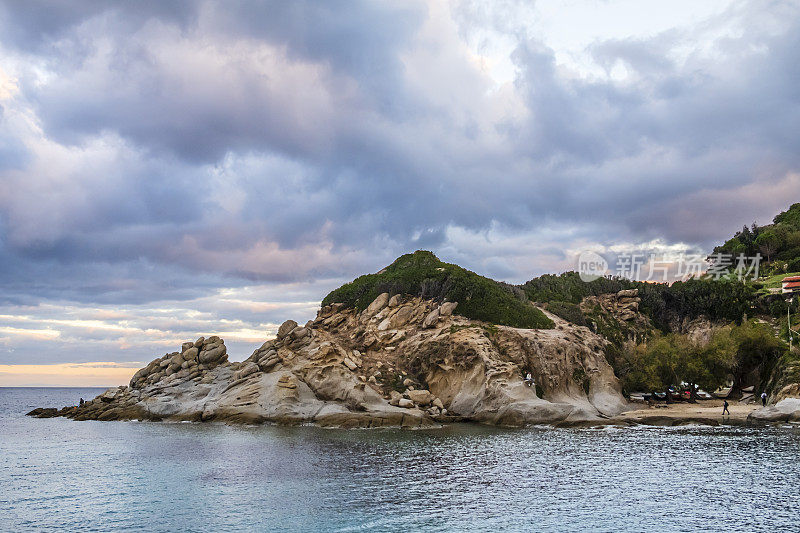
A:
[(58, 474)]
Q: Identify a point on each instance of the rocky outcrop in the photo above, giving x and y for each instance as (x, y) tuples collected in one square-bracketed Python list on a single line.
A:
[(786, 410), (193, 359), (402, 361), (623, 305), (784, 381)]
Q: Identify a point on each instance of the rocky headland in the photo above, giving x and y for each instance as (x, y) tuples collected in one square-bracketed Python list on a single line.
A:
[(423, 343), (403, 361)]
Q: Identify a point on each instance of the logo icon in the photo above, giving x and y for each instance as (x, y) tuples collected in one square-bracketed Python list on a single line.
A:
[(591, 266)]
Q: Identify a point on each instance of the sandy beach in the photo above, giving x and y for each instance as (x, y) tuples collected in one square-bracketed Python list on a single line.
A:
[(703, 412)]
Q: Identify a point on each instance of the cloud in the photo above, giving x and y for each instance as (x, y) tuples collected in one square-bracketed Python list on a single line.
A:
[(157, 155), (101, 374)]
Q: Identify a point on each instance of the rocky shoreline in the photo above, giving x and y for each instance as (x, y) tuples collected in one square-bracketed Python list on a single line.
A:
[(401, 362)]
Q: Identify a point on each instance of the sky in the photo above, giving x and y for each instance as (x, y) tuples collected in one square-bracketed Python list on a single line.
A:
[(177, 169)]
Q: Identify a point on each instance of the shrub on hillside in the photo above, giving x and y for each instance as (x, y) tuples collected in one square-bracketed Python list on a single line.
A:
[(422, 274)]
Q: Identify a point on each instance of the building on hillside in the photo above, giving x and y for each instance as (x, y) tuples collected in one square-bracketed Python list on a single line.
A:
[(790, 285)]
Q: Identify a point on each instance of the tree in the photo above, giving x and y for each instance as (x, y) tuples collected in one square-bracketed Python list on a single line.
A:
[(708, 366), (675, 359), (768, 243), (757, 348), (791, 216)]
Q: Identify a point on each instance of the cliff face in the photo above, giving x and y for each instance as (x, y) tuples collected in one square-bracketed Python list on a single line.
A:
[(402, 361)]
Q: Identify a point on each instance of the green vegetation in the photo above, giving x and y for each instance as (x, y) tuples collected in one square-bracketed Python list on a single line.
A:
[(673, 359), (786, 372), (568, 311), (717, 299), (790, 217), (778, 243), (422, 274), (733, 352), (569, 287), (774, 281), (644, 358), (756, 348)]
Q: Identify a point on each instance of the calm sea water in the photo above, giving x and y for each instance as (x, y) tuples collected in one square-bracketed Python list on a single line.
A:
[(57, 474)]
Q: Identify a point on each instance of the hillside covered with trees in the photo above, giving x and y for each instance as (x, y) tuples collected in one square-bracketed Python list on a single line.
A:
[(778, 243), (746, 343), (422, 274)]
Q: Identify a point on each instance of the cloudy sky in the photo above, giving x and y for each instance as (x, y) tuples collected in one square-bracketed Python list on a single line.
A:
[(171, 169)]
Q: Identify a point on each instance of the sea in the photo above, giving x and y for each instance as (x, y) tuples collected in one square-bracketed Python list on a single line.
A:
[(61, 475)]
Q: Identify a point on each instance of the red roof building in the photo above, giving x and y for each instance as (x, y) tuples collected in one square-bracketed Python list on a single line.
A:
[(790, 285)]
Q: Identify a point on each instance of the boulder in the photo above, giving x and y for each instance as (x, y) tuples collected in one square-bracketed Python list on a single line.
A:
[(405, 402), (110, 395), (394, 397), (285, 328), (186, 345), (199, 342), (190, 353), (298, 337), (447, 308), (377, 304), (394, 301), (216, 353), (401, 317), (268, 362), (249, 368), (299, 333), (786, 410), (628, 293), (431, 320), (420, 397)]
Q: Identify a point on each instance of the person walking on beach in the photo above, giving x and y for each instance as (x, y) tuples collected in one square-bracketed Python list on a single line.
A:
[(725, 408), (764, 399)]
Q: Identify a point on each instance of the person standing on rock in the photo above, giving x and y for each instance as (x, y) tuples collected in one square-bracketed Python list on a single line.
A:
[(725, 408), (764, 399)]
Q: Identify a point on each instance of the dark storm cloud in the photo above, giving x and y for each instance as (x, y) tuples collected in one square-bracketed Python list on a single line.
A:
[(205, 143), (36, 25), (113, 75), (637, 151)]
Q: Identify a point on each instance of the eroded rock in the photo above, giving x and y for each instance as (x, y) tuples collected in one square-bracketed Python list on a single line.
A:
[(404, 361)]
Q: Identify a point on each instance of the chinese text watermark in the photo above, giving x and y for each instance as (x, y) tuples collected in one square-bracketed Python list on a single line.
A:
[(640, 266)]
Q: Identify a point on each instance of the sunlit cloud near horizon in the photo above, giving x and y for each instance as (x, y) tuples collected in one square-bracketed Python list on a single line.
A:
[(175, 170)]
